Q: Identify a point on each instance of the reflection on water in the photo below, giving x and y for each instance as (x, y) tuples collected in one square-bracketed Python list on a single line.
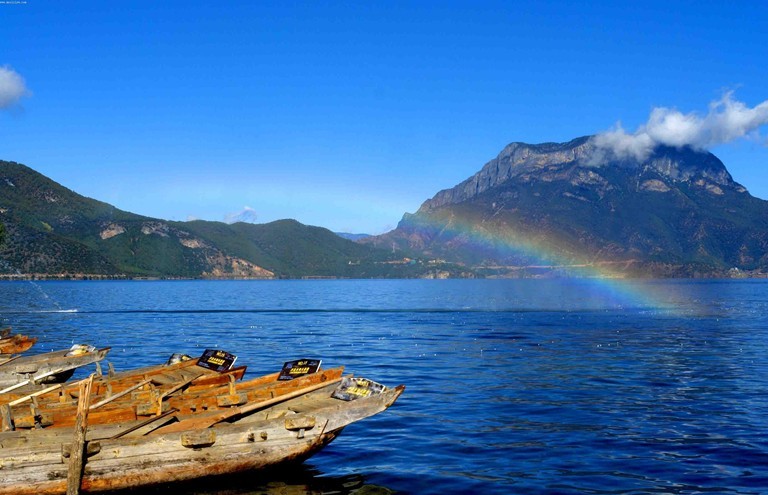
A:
[(288, 480)]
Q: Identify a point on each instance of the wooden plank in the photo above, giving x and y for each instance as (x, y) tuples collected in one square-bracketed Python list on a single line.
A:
[(121, 394), (6, 420), (34, 394), (144, 423), (27, 382), (12, 358), (206, 422), (180, 385), (75, 471)]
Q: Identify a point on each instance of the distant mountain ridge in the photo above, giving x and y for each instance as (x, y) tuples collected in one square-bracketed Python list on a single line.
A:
[(676, 213), (534, 210), (352, 237), (53, 231)]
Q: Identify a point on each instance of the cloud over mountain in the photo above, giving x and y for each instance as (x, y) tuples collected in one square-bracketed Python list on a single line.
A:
[(12, 87), (247, 215), (727, 120)]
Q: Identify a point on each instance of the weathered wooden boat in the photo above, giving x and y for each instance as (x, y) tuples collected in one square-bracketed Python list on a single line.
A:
[(50, 367), (113, 383), (113, 380), (14, 344), (187, 375), (244, 438), (191, 393)]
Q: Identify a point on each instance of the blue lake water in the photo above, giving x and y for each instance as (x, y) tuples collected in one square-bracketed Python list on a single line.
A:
[(513, 386)]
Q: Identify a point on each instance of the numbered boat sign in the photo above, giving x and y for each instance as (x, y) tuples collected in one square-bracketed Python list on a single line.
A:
[(216, 360), (300, 367)]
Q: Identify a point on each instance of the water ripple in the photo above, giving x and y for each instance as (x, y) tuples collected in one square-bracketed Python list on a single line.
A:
[(511, 394)]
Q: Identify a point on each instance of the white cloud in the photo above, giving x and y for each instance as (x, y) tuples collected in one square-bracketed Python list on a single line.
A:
[(726, 121), (247, 215), (12, 87)]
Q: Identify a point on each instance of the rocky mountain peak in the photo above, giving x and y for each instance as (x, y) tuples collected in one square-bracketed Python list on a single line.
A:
[(582, 160), (687, 165), (670, 211)]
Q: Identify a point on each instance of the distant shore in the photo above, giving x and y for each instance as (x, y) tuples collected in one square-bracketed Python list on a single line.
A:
[(726, 275)]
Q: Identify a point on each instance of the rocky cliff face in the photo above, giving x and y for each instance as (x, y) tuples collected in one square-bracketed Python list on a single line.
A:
[(580, 162), (571, 203)]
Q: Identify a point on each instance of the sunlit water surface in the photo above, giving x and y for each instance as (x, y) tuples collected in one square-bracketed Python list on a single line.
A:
[(513, 386)]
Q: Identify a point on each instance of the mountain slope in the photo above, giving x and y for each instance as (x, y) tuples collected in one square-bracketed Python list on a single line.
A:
[(53, 230), (677, 213)]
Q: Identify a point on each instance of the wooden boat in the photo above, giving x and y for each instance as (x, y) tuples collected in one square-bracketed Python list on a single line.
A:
[(191, 393), (51, 367), (14, 344), (178, 375), (245, 438), (113, 383)]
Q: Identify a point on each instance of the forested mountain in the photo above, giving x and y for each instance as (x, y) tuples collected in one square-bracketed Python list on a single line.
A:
[(676, 212), (547, 209), (52, 230)]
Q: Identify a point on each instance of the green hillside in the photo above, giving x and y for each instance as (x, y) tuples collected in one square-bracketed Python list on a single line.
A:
[(54, 231)]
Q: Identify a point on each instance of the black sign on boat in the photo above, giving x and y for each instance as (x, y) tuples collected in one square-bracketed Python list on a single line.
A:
[(300, 367), (216, 360)]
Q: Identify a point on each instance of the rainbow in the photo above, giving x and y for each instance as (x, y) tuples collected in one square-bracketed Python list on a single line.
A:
[(604, 281)]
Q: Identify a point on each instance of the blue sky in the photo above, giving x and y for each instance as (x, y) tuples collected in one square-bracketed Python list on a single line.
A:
[(348, 114)]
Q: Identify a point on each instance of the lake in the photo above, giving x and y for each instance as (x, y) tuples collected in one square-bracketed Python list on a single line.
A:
[(512, 386)]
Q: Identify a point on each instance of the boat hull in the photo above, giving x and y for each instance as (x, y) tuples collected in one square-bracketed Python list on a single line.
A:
[(51, 367), (255, 442), (16, 344)]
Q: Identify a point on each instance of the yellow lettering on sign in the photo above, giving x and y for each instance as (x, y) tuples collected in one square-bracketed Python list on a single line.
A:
[(360, 391)]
